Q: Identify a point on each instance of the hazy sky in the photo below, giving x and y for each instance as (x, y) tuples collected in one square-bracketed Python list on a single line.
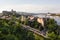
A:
[(31, 5)]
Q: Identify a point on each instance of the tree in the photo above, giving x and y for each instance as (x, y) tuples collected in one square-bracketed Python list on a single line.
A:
[(52, 29), (51, 24), (12, 30), (52, 36)]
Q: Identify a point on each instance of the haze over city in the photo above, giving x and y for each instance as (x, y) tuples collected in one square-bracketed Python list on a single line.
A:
[(35, 6)]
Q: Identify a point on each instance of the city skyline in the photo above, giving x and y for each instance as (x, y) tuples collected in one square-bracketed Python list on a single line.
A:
[(35, 6)]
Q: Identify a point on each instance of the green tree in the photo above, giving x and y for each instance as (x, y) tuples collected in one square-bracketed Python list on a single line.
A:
[(51, 24), (12, 30), (52, 36)]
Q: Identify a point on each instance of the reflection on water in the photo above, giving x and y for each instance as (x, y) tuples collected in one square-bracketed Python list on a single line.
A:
[(57, 18)]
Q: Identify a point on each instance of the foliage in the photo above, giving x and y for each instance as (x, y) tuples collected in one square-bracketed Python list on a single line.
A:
[(51, 24), (12, 30), (52, 30)]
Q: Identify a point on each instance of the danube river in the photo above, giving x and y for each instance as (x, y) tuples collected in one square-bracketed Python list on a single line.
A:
[(57, 18)]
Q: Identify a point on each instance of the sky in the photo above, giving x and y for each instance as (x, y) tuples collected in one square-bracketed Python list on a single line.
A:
[(35, 6)]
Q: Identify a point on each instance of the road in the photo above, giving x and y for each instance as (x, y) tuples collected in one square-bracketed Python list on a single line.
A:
[(34, 30)]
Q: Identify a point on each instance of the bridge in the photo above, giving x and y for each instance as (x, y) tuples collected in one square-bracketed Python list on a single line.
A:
[(34, 30)]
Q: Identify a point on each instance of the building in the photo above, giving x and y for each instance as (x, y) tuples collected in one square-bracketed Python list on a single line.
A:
[(41, 21), (7, 13), (24, 17)]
